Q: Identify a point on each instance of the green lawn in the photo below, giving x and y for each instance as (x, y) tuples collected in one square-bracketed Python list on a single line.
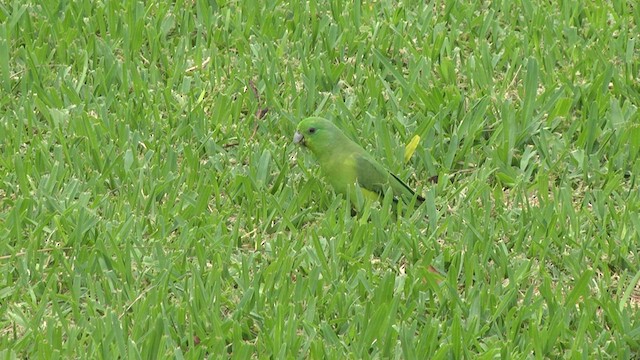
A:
[(153, 205)]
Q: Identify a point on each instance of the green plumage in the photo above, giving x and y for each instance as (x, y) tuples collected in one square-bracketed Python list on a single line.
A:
[(345, 164)]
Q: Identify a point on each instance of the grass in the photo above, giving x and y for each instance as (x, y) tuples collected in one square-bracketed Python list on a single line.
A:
[(152, 203)]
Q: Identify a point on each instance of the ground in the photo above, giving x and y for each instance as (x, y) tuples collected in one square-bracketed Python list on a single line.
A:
[(153, 205)]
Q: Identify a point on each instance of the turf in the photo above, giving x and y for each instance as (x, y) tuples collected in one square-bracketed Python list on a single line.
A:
[(153, 205)]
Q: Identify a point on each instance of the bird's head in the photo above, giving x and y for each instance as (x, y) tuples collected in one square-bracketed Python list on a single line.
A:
[(316, 134)]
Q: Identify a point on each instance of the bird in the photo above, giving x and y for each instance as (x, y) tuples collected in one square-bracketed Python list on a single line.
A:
[(346, 165)]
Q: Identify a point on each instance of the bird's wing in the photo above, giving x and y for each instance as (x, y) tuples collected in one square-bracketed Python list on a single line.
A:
[(374, 177)]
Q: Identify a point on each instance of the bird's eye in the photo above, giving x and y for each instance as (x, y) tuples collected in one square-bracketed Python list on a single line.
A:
[(312, 130)]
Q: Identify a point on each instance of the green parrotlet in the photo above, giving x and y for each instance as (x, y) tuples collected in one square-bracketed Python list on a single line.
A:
[(346, 164)]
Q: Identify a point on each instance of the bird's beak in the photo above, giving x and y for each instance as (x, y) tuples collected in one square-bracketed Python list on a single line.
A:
[(298, 138)]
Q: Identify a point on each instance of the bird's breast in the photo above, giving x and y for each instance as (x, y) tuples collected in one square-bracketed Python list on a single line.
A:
[(340, 171)]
